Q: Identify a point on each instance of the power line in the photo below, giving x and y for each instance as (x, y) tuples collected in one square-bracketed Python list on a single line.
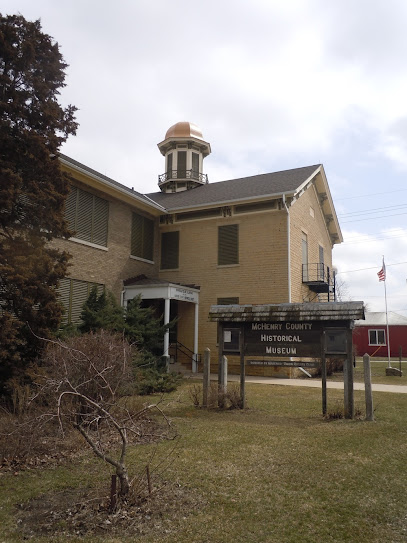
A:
[(370, 194), (362, 238), (371, 268), (371, 218), (373, 210)]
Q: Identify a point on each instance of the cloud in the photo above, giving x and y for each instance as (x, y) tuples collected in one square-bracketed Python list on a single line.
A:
[(359, 259)]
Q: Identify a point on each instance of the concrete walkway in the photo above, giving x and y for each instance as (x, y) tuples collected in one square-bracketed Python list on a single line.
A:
[(311, 383)]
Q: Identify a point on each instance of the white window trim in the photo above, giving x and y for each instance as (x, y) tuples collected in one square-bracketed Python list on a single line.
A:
[(141, 259), (377, 330), (89, 244), (228, 265)]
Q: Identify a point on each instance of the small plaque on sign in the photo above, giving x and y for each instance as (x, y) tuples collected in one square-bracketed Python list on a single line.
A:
[(227, 336), (231, 339)]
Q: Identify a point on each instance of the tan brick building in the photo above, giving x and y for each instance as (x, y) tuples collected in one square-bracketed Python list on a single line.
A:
[(261, 239)]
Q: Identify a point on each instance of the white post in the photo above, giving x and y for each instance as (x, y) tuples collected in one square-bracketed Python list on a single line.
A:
[(368, 388), (206, 376), (196, 328), (387, 325), (166, 321)]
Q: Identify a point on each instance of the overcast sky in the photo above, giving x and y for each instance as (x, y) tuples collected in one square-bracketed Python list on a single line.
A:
[(273, 85)]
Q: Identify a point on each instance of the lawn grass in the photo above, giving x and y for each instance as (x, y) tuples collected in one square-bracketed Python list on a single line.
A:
[(275, 472), (378, 371)]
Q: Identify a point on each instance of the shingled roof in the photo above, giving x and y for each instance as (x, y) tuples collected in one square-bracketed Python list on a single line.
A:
[(254, 187), (104, 179)]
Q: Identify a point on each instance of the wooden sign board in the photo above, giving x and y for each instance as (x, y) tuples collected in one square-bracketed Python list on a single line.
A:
[(291, 339)]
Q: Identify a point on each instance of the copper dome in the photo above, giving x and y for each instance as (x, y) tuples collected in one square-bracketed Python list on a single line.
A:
[(184, 130)]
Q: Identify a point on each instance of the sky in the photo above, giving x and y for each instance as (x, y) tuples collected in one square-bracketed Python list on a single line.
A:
[(272, 84)]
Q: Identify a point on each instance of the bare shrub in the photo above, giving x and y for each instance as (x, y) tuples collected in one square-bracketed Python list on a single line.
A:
[(83, 380), (195, 393), (216, 397)]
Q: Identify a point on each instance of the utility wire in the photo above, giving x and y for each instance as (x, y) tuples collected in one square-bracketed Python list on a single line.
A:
[(372, 218), (373, 210), (368, 195), (371, 268), (362, 239)]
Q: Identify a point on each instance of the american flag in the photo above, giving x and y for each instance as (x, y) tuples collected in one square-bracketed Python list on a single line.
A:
[(382, 273)]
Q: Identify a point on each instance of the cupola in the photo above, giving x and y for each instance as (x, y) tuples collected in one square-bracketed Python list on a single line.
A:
[(184, 150)]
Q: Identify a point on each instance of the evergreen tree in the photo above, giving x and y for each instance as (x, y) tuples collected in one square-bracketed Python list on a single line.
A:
[(139, 324), (101, 312), (32, 189)]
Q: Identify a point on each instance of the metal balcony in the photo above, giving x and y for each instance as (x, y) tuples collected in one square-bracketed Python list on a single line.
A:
[(183, 175), (318, 277)]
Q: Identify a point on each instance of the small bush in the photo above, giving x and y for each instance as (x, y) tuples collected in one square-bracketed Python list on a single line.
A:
[(152, 381)]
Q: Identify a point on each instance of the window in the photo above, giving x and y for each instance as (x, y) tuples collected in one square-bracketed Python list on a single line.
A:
[(87, 216), (304, 249), (228, 245), (228, 301), (321, 267), (73, 294), (142, 237), (195, 166), (182, 164), (169, 166), (377, 337), (169, 250)]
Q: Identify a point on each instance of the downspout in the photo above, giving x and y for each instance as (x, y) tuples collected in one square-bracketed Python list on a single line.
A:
[(288, 249)]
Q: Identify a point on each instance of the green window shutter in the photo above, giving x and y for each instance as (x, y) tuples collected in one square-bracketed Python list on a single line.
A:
[(70, 208), (84, 216), (137, 235), (73, 293), (100, 221), (228, 244), (142, 237), (87, 216), (148, 239), (169, 250), (80, 292)]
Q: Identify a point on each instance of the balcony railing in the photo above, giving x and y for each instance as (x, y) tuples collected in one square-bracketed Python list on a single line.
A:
[(318, 277), (183, 175), (315, 272)]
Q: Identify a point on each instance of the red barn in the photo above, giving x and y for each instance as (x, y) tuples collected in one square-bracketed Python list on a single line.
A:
[(370, 335)]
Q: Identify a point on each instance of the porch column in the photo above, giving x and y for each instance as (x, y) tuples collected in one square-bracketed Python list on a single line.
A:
[(195, 360), (166, 321)]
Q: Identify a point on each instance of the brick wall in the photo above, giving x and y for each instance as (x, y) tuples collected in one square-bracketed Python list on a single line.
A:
[(110, 266), (317, 235), (260, 276)]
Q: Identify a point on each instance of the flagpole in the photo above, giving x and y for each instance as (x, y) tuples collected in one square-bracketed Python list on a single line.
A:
[(387, 326), (387, 319)]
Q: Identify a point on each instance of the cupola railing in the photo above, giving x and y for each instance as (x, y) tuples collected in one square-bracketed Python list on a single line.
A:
[(183, 174)]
